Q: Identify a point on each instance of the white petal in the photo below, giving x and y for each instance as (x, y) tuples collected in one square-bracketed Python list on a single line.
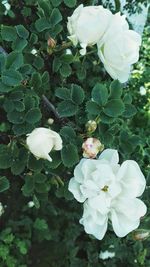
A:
[(126, 215), (89, 189), (100, 202), (94, 225), (78, 173), (90, 227), (131, 208), (74, 188), (131, 178), (111, 155), (122, 225)]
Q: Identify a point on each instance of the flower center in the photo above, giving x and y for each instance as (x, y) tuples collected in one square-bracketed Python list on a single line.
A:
[(105, 188)]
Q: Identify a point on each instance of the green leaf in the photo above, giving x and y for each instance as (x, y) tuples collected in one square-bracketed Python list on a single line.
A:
[(56, 2), (11, 77), (65, 70), (55, 17), (5, 157), (127, 99), (4, 184), (77, 94), (4, 88), (16, 117), (2, 62), (45, 77), (67, 58), (68, 132), (67, 108), (93, 108), (106, 119), (40, 178), (36, 80), (56, 160), (100, 94), (34, 164), (22, 32), (8, 105), (33, 115), (33, 39), (70, 3), (42, 187), (115, 90), (69, 155), (8, 33), (63, 93), (19, 44), (28, 187), (114, 108), (38, 62), (19, 163), (14, 60), (19, 106), (130, 111), (56, 64), (42, 24)]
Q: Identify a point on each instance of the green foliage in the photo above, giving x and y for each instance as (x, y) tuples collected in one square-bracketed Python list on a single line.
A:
[(40, 222)]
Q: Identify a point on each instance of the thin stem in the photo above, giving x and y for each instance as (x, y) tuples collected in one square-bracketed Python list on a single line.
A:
[(117, 5), (89, 53), (63, 46), (50, 106)]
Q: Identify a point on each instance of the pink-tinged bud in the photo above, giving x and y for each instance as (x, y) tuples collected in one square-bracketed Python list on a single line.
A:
[(91, 126), (141, 234), (51, 43), (91, 147)]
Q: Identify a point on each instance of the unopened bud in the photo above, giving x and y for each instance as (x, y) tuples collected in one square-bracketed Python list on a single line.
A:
[(91, 147), (31, 204), (91, 126), (51, 43), (141, 234), (50, 121)]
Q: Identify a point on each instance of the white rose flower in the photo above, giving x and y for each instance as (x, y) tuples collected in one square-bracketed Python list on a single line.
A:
[(110, 191), (87, 25), (119, 52), (41, 141)]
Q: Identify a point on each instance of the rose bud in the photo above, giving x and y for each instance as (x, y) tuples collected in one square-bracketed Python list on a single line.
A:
[(91, 126), (141, 234), (91, 147)]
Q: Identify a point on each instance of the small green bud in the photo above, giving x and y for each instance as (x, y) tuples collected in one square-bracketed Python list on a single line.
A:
[(91, 126)]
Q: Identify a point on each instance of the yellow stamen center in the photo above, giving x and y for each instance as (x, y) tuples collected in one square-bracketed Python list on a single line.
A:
[(105, 188)]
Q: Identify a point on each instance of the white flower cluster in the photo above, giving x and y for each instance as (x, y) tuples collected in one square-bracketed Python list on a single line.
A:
[(118, 47), (110, 192)]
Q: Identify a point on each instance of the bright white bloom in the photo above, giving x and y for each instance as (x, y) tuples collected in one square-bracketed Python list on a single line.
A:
[(87, 25), (119, 52), (109, 191), (142, 90), (106, 255), (42, 140)]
